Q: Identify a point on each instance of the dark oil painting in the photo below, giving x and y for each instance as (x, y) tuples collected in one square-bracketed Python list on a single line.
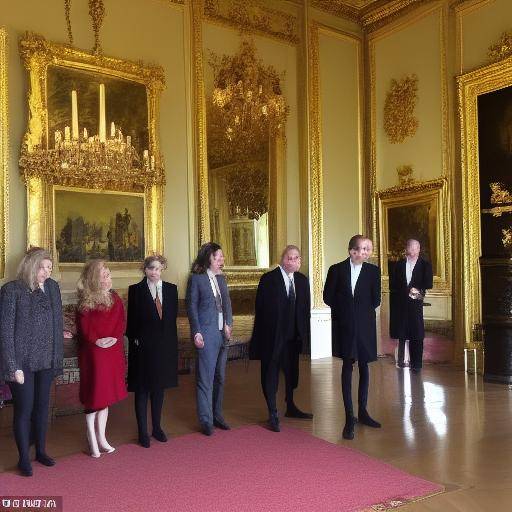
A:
[(416, 221), (495, 165), (126, 104), (99, 225)]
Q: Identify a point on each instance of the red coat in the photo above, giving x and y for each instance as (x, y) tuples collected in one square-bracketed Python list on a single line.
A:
[(102, 370)]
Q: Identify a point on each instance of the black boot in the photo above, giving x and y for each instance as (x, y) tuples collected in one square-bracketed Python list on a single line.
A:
[(348, 430), (367, 420), (292, 411)]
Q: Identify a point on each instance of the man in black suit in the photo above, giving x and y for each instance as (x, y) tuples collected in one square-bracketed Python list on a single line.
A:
[(410, 280), (281, 330), (352, 290)]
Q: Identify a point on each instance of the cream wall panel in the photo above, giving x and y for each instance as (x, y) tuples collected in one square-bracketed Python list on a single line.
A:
[(223, 40), (415, 48), (480, 27), (149, 31), (339, 100)]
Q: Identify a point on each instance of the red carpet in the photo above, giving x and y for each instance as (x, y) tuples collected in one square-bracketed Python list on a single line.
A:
[(247, 469)]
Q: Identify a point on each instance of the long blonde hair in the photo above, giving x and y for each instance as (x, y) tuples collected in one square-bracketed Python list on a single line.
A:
[(30, 265), (90, 293)]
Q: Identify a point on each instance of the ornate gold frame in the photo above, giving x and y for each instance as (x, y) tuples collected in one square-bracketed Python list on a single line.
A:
[(434, 192), (37, 54), (469, 86), (238, 277), (4, 152)]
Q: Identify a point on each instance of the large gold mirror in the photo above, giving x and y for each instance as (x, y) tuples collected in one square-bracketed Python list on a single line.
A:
[(245, 118)]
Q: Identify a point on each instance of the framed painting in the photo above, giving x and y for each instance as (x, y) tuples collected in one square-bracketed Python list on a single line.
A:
[(98, 224), (414, 211), (92, 135), (4, 146)]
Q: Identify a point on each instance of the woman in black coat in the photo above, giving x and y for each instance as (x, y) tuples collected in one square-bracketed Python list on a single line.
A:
[(153, 345)]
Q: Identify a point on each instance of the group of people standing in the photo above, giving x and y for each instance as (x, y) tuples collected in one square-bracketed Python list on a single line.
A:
[(31, 338)]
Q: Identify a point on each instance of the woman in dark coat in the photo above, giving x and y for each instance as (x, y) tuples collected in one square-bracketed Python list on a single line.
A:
[(31, 350), (153, 345), (101, 325)]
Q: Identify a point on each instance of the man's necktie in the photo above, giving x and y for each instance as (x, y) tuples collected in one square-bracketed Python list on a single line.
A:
[(291, 290), (218, 300), (158, 304)]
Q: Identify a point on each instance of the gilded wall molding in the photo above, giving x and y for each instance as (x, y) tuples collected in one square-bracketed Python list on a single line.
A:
[(4, 152), (199, 111), (386, 12), (469, 86), (401, 100), (253, 18), (315, 172)]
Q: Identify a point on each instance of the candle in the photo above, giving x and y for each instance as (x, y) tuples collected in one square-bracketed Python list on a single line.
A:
[(152, 162), (85, 134), (102, 131), (128, 141), (74, 114), (67, 135), (146, 155), (112, 129)]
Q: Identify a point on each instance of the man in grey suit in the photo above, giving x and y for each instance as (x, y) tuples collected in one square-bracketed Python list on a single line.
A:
[(211, 318)]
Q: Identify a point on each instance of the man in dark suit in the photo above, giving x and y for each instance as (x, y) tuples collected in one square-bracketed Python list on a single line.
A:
[(281, 330), (352, 290), (410, 280)]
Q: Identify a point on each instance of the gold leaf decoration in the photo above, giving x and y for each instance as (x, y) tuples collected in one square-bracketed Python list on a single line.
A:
[(499, 195), (405, 175), (401, 100), (502, 49)]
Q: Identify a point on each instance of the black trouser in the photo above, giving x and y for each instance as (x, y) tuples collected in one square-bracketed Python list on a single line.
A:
[(287, 360), (415, 352), (31, 403), (346, 385), (141, 410)]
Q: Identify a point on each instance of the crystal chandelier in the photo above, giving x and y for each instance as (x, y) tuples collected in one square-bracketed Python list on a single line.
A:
[(103, 160), (247, 105)]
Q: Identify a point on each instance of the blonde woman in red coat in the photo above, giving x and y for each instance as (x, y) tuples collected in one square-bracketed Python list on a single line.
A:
[(101, 324)]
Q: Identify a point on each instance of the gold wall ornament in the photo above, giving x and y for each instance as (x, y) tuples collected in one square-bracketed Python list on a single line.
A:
[(401, 100), (74, 158), (67, 13), (502, 49), (4, 152), (97, 13), (470, 86), (499, 195), (405, 175), (507, 238), (252, 16)]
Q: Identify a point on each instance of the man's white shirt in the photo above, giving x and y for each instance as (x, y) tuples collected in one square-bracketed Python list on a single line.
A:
[(286, 278), (409, 268), (355, 270)]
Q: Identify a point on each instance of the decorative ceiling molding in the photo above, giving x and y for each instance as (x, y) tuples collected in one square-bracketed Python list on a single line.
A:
[(254, 17), (338, 8), (371, 14)]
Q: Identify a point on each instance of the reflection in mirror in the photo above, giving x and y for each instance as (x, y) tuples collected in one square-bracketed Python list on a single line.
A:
[(246, 114)]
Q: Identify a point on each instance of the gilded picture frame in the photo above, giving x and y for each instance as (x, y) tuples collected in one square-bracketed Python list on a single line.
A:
[(414, 211), (4, 151), (38, 55), (470, 86)]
